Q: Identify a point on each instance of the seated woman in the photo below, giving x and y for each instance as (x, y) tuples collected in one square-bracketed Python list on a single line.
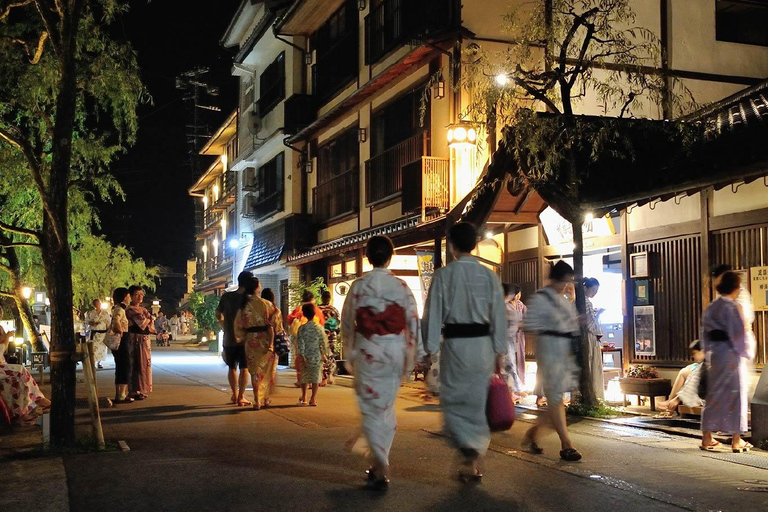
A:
[(686, 387), (19, 391)]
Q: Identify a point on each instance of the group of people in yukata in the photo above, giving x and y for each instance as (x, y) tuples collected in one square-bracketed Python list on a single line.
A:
[(477, 329), (133, 324)]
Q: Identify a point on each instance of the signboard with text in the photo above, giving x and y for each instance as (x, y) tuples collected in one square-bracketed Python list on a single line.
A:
[(426, 262), (559, 230), (758, 280)]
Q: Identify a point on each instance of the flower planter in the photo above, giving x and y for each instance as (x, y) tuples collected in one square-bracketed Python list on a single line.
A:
[(645, 387)]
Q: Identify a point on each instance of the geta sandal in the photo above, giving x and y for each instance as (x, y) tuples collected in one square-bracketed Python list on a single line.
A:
[(570, 455)]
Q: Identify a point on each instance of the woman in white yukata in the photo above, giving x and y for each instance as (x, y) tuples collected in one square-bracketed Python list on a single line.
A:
[(379, 326), (725, 342), (465, 320), (552, 321)]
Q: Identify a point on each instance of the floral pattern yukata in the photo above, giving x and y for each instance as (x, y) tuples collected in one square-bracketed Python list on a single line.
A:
[(18, 389), (140, 326), (312, 344), (726, 401), (259, 346), (379, 326)]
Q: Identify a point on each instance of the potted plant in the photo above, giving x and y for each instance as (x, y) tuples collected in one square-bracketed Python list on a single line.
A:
[(643, 380)]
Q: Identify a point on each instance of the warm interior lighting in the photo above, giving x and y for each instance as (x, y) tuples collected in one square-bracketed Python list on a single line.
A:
[(215, 193), (215, 244), (223, 229), (205, 202), (205, 252), (224, 162), (440, 89)]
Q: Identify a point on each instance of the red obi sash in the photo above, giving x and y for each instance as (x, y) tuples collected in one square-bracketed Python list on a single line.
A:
[(389, 321)]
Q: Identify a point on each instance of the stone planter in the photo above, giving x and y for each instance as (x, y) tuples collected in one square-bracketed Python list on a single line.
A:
[(645, 387)]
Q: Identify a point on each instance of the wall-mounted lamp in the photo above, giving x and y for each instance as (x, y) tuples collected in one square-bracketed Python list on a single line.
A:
[(308, 58), (308, 166), (461, 133), (440, 89), (362, 135), (361, 5)]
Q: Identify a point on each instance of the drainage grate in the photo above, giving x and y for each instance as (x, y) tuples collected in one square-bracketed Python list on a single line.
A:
[(745, 459)]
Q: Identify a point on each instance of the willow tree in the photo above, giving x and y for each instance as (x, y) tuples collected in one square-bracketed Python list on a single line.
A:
[(68, 99), (563, 53)]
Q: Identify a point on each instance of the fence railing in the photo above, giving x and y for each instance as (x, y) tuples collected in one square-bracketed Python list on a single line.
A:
[(428, 186), (384, 172), (336, 197)]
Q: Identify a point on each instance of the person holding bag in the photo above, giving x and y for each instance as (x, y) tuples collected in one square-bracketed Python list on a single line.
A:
[(117, 340), (465, 320)]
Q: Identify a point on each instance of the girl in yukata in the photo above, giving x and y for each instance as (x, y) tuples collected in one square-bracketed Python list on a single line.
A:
[(379, 326), (312, 347), (727, 353)]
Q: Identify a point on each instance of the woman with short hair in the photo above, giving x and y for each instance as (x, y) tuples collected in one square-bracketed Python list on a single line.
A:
[(725, 343), (379, 326)]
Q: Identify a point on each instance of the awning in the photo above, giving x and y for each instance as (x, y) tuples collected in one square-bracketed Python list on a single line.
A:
[(267, 247)]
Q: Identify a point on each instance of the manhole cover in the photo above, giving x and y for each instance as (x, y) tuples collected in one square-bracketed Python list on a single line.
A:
[(745, 459)]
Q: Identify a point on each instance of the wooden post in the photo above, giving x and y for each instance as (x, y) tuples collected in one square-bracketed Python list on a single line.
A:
[(542, 277), (706, 260), (628, 294), (93, 397)]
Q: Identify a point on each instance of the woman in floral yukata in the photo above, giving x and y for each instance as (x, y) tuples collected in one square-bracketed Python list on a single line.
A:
[(18, 390), (379, 325), (727, 351)]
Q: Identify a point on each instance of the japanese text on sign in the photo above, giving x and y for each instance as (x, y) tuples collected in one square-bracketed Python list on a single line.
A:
[(758, 277)]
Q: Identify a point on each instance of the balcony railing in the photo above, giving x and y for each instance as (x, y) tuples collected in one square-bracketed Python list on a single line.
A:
[(227, 193), (335, 67), (428, 189), (211, 219), (393, 22), (384, 172), (336, 197)]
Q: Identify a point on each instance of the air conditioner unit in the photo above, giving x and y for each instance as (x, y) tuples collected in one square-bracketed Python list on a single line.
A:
[(254, 120)]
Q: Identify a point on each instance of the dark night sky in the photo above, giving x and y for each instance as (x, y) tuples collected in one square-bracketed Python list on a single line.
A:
[(156, 220)]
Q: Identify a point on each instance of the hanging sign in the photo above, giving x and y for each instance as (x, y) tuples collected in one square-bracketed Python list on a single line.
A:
[(426, 263), (559, 230), (758, 278)]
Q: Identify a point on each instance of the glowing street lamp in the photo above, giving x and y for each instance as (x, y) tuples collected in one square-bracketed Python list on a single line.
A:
[(26, 292), (502, 80)]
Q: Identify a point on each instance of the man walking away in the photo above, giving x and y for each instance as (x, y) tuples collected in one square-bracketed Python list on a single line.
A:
[(234, 352), (553, 323), (466, 304)]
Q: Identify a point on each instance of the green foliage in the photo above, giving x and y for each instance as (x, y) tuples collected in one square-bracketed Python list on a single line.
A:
[(98, 267), (296, 290), (204, 309), (599, 410)]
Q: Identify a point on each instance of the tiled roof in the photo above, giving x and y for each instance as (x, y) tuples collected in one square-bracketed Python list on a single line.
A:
[(267, 248)]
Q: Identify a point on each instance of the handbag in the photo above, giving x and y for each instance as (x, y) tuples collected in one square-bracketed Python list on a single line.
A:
[(282, 347), (499, 410)]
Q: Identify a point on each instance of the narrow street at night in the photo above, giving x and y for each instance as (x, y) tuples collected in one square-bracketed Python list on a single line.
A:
[(190, 450)]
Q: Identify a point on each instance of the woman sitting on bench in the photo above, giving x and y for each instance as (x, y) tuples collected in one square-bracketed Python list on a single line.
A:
[(686, 387), (18, 390)]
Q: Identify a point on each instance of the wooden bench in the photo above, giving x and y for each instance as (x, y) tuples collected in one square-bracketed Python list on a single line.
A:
[(645, 387)]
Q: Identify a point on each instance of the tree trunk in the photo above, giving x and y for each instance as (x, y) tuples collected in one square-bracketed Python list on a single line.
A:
[(25, 312), (588, 396), (57, 258)]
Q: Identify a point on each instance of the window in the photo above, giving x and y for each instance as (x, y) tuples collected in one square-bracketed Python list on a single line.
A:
[(340, 155), (233, 150), (267, 189), (338, 183), (336, 44), (742, 21), (272, 85), (398, 121)]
